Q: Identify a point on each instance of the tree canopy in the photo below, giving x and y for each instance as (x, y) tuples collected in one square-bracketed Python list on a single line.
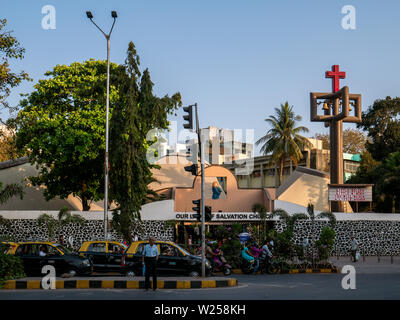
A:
[(380, 164), (381, 121), (137, 112), (353, 140), (10, 48), (61, 128)]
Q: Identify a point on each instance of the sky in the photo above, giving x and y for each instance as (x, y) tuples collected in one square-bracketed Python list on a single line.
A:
[(237, 59)]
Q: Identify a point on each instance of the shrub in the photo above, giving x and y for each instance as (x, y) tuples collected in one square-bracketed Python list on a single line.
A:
[(11, 267), (325, 242)]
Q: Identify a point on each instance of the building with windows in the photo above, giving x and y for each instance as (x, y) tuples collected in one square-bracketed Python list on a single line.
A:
[(226, 146), (266, 175)]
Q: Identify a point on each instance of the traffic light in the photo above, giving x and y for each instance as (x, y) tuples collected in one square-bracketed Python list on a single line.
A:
[(197, 209), (208, 214), (188, 117)]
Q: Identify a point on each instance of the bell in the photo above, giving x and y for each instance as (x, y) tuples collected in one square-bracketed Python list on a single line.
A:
[(326, 106)]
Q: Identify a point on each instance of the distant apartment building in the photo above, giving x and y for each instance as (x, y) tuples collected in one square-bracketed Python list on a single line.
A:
[(226, 146)]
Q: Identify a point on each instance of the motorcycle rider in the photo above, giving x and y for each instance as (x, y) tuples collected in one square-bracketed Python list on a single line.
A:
[(210, 254), (217, 256), (266, 252), (250, 258)]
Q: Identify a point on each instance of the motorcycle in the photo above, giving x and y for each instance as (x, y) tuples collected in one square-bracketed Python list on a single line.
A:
[(246, 266), (268, 265), (225, 268)]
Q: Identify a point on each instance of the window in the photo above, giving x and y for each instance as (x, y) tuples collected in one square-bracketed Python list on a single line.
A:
[(351, 166), (28, 250), (52, 251), (168, 250), (114, 248), (97, 247)]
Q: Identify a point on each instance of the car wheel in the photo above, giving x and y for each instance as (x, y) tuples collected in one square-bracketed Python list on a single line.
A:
[(194, 274), (130, 274)]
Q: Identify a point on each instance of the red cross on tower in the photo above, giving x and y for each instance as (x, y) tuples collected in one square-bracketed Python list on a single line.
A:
[(335, 74)]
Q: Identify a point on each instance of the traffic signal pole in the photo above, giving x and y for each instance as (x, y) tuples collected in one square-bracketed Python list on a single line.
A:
[(203, 205)]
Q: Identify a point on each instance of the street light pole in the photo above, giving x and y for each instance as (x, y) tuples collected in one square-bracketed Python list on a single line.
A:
[(106, 162), (203, 211)]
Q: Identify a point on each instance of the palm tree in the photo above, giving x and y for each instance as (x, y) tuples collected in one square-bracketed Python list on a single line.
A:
[(262, 212), (9, 191), (283, 139)]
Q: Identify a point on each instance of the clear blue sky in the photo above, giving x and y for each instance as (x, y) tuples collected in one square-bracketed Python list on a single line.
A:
[(236, 59)]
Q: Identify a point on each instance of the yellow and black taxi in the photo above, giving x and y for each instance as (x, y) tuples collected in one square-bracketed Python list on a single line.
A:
[(106, 256), (8, 247), (36, 254), (173, 259)]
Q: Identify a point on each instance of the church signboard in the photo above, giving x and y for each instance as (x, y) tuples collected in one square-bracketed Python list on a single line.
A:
[(350, 192)]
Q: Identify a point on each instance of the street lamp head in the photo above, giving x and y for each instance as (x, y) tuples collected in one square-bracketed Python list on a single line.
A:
[(114, 14), (89, 15)]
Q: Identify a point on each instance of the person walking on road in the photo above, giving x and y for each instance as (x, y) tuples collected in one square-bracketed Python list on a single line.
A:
[(354, 248), (149, 259)]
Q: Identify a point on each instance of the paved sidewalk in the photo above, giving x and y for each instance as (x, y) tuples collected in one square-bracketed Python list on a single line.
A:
[(371, 265)]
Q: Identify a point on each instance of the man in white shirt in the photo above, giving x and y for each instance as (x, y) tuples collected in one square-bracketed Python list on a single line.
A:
[(149, 259), (266, 253), (354, 248)]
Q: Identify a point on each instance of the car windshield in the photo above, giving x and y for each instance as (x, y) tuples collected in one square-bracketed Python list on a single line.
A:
[(183, 250), (62, 248)]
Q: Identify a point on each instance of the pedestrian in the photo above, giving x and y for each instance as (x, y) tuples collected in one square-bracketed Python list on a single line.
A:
[(196, 233), (149, 260), (354, 248), (135, 237)]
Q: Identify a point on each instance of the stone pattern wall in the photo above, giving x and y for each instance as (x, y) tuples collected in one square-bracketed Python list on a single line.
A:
[(374, 237), (29, 230)]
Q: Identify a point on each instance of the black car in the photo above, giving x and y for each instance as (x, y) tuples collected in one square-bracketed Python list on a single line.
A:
[(36, 255), (106, 256), (173, 259)]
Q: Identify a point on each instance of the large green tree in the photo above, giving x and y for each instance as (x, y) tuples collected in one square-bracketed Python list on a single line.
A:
[(283, 139), (137, 112), (382, 123), (10, 48), (61, 127), (380, 163)]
